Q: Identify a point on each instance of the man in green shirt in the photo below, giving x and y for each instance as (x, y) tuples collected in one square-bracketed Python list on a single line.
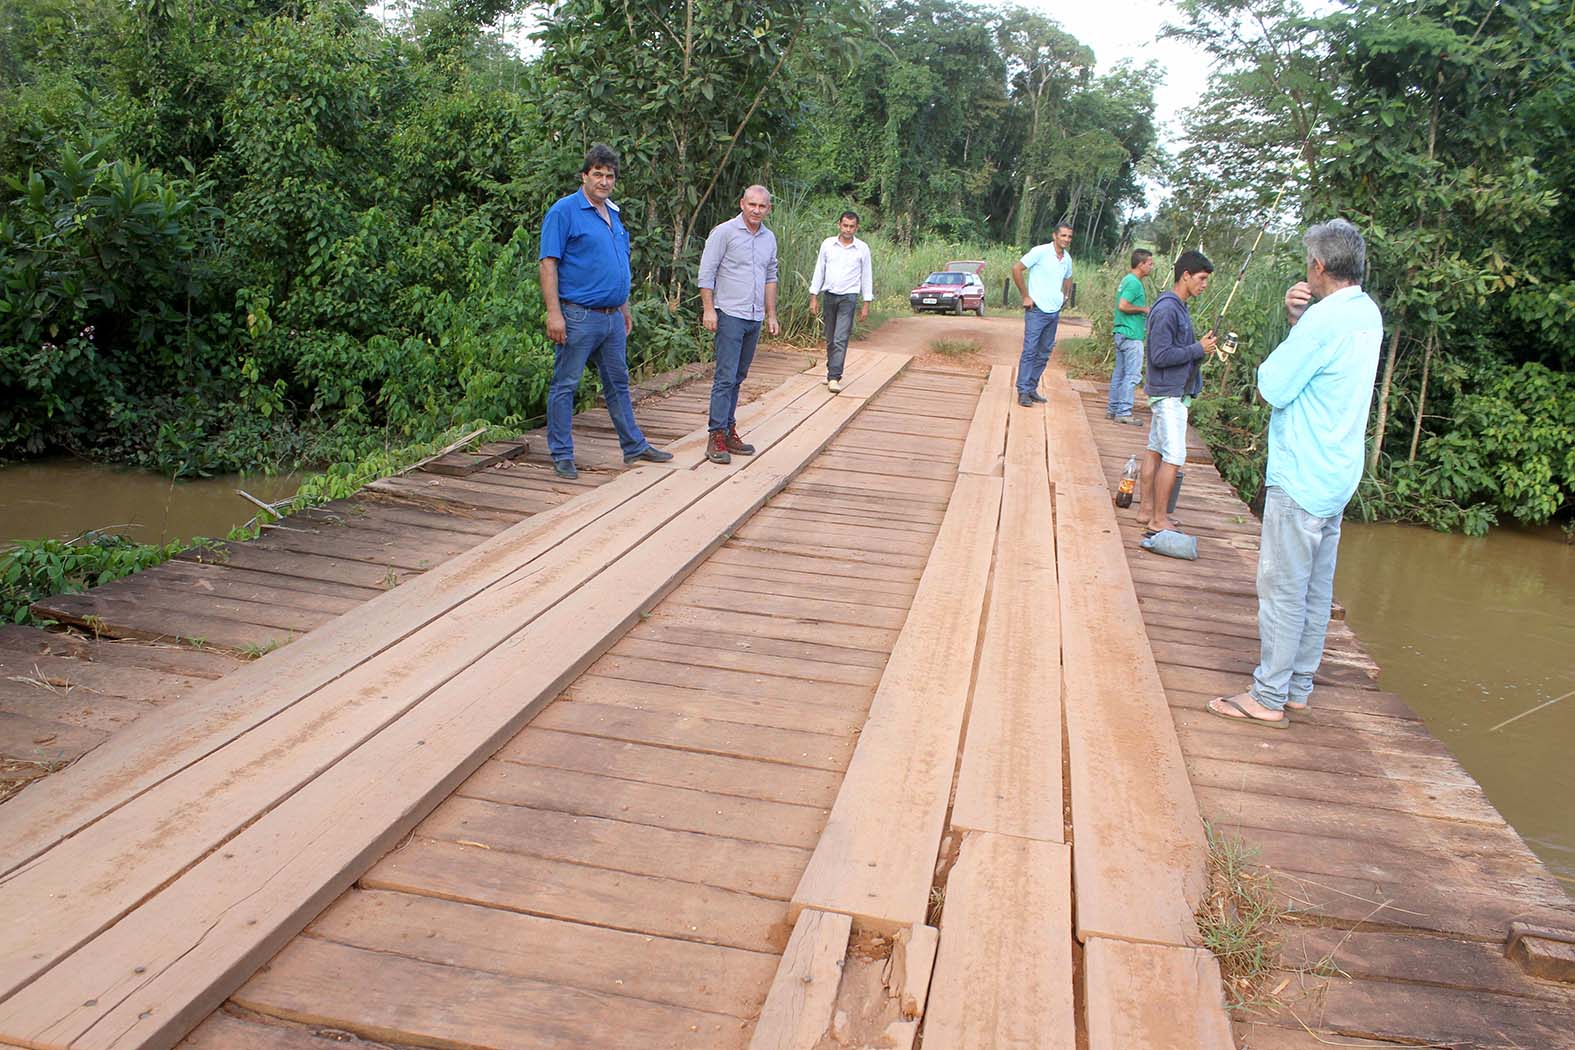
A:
[(1131, 315)]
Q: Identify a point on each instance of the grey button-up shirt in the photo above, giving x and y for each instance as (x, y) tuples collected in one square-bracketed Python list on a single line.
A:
[(737, 265)]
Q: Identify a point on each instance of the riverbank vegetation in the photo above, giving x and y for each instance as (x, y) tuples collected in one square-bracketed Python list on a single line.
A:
[(257, 233), (264, 233), (1444, 130)]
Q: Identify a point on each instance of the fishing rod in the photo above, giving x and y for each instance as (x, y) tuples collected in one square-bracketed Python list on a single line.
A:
[(1226, 346)]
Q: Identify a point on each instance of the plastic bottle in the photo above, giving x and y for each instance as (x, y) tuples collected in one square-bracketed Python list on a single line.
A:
[(1128, 483)]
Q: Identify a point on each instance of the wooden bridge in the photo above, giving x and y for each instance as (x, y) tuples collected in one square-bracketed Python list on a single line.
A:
[(887, 733)]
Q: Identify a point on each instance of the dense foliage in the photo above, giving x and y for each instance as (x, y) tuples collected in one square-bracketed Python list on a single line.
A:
[(1443, 129)]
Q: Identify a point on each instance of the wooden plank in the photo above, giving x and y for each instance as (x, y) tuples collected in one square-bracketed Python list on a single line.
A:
[(223, 1031), (749, 710), (679, 809), (875, 857), (460, 464), (152, 751), (33, 695), (704, 735), (198, 938), (410, 1001), (746, 778), (40, 740), (1158, 997), (164, 659), (641, 904), (1003, 976), (1010, 778), (985, 448), (1140, 856), (763, 869), (655, 969), (798, 1009)]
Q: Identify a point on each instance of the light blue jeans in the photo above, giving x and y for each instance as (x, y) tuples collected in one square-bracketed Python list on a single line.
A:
[(1038, 341), (1124, 379), (1295, 587), (599, 340)]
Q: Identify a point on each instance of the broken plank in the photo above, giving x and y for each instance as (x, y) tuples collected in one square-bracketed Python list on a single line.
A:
[(1158, 997), (1003, 976), (797, 1012)]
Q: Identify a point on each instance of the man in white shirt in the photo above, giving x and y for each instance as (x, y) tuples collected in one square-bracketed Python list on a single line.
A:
[(843, 274)]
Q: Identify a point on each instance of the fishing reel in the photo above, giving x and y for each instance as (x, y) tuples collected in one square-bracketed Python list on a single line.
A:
[(1226, 341)]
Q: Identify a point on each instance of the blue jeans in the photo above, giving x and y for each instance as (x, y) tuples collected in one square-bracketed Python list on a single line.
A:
[(1038, 341), (735, 349), (598, 339), (1124, 379), (1295, 586), (839, 313)]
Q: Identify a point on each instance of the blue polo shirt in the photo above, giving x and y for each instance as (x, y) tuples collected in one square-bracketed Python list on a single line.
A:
[(593, 256)]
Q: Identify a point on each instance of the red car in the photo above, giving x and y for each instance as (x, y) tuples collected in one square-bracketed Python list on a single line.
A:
[(951, 290)]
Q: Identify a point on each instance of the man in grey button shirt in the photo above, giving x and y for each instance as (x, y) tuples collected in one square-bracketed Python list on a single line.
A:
[(738, 289)]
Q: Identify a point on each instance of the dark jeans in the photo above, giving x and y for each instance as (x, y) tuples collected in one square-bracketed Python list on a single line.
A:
[(839, 312), (735, 350), (597, 339)]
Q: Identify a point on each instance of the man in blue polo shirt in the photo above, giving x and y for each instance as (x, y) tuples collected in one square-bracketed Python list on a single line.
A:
[(1048, 272), (585, 281), (1320, 384)]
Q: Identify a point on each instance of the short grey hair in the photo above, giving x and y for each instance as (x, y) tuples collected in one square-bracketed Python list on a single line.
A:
[(750, 189), (1339, 246)]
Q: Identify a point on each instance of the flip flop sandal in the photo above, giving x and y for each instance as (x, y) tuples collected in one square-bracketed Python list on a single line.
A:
[(1283, 722)]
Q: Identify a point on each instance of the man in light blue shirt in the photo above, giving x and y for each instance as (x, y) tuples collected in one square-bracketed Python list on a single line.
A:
[(1048, 269), (1320, 383), (738, 291)]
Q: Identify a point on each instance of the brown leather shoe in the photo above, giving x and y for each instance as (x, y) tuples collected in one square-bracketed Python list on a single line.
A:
[(716, 448), (735, 444)]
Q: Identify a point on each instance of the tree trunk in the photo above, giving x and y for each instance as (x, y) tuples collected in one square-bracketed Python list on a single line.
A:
[(1421, 398), (1383, 400)]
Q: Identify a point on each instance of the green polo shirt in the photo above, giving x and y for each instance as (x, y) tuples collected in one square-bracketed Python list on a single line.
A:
[(1131, 325)]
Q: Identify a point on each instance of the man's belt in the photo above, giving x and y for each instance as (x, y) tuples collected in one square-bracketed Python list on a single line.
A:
[(597, 309)]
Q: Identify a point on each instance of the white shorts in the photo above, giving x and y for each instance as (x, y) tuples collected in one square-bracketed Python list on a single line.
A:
[(1167, 433)]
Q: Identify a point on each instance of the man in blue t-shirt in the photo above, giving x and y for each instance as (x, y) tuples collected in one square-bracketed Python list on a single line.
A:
[(1044, 280), (1320, 384), (585, 280)]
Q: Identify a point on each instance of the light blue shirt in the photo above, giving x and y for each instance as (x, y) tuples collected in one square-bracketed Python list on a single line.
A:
[(1320, 382), (737, 265), (1045, 276)]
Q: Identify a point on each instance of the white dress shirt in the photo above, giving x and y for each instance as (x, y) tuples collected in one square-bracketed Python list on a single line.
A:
[(842, 269)]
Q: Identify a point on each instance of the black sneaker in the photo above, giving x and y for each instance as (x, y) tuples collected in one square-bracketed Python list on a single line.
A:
[(1037, 398), (564, 468), (649, 454), (1025, 401)]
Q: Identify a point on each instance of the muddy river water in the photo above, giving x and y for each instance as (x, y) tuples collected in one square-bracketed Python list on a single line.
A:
[(1472, 632), (62, 498)]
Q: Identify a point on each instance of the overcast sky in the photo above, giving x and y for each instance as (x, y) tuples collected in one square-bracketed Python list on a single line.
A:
[(1118, 29)]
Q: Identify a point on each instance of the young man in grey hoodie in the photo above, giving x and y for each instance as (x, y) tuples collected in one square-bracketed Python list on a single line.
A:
[(1175, 363)]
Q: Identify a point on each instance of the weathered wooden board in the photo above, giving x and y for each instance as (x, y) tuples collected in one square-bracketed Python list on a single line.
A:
[(399, 998), (985, 447), (1153, 996), (1003, 976), (154, 750), (196, 941), (619, 798), (798, 1010), (1010, 778), (644, 904), (655, 969), (875, 857), (1140, 850)]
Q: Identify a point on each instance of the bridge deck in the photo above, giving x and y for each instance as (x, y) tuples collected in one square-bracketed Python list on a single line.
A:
[(672, 763)]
